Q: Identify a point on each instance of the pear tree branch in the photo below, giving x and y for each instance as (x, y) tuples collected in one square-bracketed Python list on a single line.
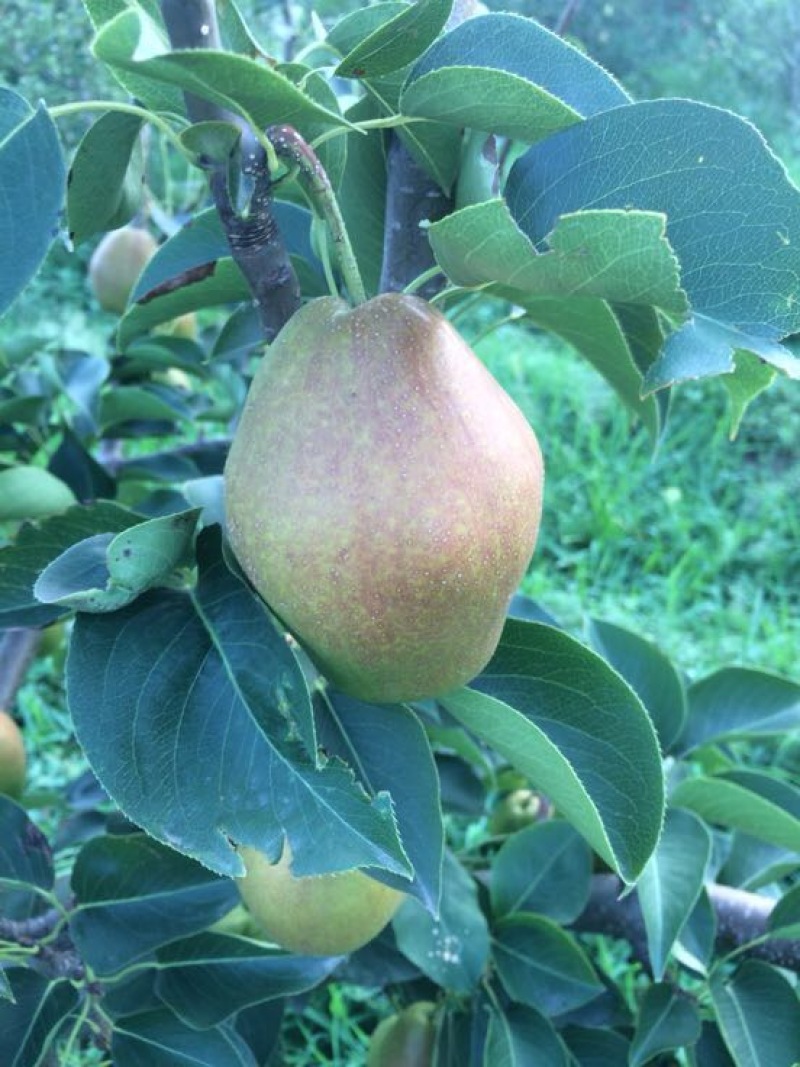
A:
[(253, 235), (742, 917)]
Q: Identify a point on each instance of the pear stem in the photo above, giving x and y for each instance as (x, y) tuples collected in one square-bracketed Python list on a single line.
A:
[(293, 149)]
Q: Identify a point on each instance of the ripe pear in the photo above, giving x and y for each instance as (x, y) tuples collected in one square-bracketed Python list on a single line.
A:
[(405, 1039), (116, 264), (12, 757), (383, 495), (321, 915)]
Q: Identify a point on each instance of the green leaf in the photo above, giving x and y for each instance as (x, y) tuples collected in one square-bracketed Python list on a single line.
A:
[(542, 965), (107, 571), (6, 992), (695, 945), (649, 672), (733, 219), (25, 856), (751, 378), (784, 921), (671, 883), (740, 702), (203, 680), (757, 1012), (710, 1050), (32, 177), (30, 1025), (397, 42), (362, 196), (545, 83), (519, 1036), (104, 187), (133, 895), (436, 147), (569, 723), (393, 757), (207, 978), (159, 1039), (760, 805), (666, 1022), (452, 949), (752, 864), (596, 1048), (252, 90), (544, 868), (130, 404), (37, 546), (704, 347), (597, 333)]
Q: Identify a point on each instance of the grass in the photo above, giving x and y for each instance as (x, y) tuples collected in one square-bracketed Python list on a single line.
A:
[(693, 544)]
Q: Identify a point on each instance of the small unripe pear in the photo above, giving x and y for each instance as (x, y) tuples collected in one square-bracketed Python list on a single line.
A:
[(116, 264), (12, 758), (383, 495), (319, 915), (405, 1039)]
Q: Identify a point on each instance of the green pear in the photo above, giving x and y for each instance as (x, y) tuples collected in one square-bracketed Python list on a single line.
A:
[(319, 915), (405, 1039), (383, 495), (116, 264), (12, 757)]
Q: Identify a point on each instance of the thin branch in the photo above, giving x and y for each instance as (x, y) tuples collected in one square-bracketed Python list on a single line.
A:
[(568, 12), (742, 917), (17, 649), (253, 235)]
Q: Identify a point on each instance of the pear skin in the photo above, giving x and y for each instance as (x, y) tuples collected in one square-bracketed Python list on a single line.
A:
[(116, 264), (383, 495)]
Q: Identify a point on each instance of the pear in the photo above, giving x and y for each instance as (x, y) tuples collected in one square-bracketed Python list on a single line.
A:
[(405, 1039), (383, 495), (116, 264), (316, 915), (12, 757)]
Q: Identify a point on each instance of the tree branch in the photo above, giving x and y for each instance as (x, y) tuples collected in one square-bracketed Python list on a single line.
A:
[(253, 235), (17, 649), (741, 917)]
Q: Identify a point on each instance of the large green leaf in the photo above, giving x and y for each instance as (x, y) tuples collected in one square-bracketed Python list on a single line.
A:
[(648, 671), (29, 1025), (159, 1039), (105, 179), (32, 187), (195, 716), (563, 717), (397, 42), (733, 219), (133, 895), (740, 702), (542, 965), (621, 256), (362, 197), (252, 90), (756, 803), (519, 1036), (666, 1022), (452, 949), (544, 83), (784, 920), (544, 868), (391, 753), (207, 978), (759, 1015), (596, 1048), (671, 883)]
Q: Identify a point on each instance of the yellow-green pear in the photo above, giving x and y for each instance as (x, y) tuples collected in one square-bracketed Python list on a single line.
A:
[(12, 757), (116, 264), (28, 492), (320, 915), (383, 495), (405, 1039)]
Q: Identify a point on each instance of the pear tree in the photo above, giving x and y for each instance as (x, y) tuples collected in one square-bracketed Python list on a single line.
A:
[(288, 546)]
